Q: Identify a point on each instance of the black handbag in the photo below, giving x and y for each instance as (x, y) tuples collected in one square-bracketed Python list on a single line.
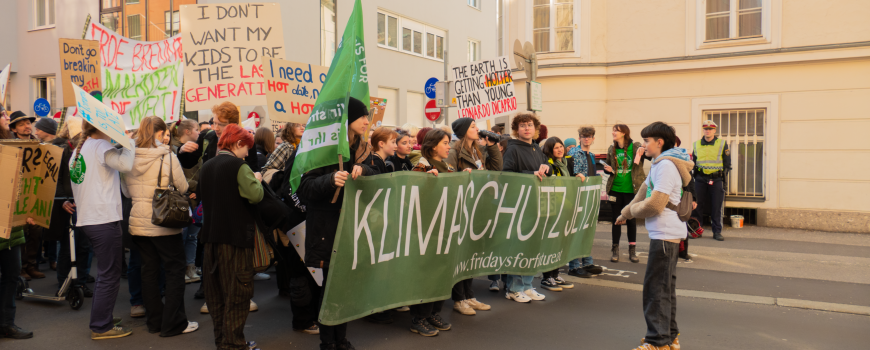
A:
[(170, 208)]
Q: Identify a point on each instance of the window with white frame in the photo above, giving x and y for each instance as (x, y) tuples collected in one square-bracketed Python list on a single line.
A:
[(743, 131), (733, 19), (134, 27), (474, 3), (45, 88), (473, 50), (43, 14), (409, 36), (172, 23), (553, 25)]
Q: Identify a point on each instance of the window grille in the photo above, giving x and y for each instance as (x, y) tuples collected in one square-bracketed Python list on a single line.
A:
[(744, 132)]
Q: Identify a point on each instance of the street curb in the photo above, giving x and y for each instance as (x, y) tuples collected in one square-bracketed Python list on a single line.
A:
[(741, 298)]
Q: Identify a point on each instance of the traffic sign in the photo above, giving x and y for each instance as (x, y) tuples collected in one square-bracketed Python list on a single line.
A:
[(432, 111), (41, 107), (430, 87)]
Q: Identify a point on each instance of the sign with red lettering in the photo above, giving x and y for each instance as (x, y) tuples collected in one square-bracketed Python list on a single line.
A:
[(484, 89), (139, 78), (432, 111), (291, 89), (80, 65), (224, 47)]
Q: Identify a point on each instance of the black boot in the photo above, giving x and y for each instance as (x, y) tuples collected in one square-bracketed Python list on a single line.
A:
[(15, 332), (200, 293), (632, 253), (344, 345), (615, 251), (718, 236)]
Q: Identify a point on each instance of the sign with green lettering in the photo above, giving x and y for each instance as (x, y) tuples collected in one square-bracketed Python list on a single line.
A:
[(406, 238), (39, 169)]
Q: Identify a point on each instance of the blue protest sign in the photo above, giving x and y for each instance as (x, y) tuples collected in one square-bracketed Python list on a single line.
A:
[(41, 107), (430, 87)]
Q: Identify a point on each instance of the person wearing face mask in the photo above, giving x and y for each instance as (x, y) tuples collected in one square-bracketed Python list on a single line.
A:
[(401, 159), (468, 154), (155, 166), (383, 141)]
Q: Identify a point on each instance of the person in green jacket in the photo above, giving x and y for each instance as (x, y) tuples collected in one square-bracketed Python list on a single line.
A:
[(10, 268)]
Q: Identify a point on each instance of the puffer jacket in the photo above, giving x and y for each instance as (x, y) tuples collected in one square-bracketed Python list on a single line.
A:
[(16, 238), (139, 184)]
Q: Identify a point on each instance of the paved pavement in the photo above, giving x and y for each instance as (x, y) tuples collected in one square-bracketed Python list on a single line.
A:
[(752, 261)]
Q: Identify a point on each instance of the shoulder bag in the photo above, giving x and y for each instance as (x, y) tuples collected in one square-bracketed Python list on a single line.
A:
[(170, 208)]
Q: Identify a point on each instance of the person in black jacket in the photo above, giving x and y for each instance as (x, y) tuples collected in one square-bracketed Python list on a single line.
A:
[(264, 143), (206, 147), (401, 160), (383, 141), (317, 189)]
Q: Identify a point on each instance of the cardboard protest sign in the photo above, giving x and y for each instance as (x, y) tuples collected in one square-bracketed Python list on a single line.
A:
[(101, 116), (10, 170), (4, 82), (296, 237), (484, 89), (139, 78), (38, 170), (80, 65), (377, 107), (224, 46), (291, 89)]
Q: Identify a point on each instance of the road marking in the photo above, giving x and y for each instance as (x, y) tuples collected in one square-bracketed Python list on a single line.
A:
[(619, 273)]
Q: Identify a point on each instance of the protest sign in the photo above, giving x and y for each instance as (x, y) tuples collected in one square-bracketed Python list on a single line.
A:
[(291, 89), (378, 106), (484, 89), (139, 78), (406, 238), (10, 172), (4, 82), (38, 171), (100, 116), (325, 136), (80, 65), (224, 47), (296, 237)]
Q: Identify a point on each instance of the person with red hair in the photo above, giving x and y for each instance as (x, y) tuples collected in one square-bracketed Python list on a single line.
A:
[(229, 189)]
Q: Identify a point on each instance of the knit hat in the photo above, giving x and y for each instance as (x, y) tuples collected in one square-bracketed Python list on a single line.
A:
[(570, 142), (18, 116), (460, 126), (356, 110), (47, 125)]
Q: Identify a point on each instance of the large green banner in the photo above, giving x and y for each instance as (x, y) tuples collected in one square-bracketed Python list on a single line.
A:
[(406, 238)]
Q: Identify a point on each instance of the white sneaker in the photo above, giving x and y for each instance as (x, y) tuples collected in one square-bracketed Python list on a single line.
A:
[(534, 295), (403, 309), (262, 276), (203, 309), (493, 286), (191, 327), (254, 306), (519, 297)]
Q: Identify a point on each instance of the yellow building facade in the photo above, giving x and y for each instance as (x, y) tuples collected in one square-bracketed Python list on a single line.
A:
[(788, 82)]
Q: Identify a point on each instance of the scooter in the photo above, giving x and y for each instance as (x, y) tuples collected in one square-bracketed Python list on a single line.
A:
[(75, 295)]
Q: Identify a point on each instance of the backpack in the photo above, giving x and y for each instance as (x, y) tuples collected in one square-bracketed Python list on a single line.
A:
[(684, 209)]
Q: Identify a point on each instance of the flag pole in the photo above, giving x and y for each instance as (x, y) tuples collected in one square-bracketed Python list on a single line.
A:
[(340, 168)]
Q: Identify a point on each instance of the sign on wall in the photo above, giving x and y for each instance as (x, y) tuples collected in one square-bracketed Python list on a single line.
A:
[(224, 47), (80, 65), (291, 89), (139, 78), (484, 89)]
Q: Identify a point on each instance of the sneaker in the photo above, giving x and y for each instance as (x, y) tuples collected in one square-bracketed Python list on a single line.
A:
[(262, 276), (116, 321), (550, 284), (191, 271), (15, 332), (686, 261), (647, 346), (519, 297), (204, 309), (139, 311), (403, 309), (675, 345), (379, 318), (313, 330), (563, 283), (593, 269), (463, 308), (476, 305), (115, 332), (493, 286), (344, 344), (87, 291), (439, 324), (580, 272), (534, 295), (254, 306), (187, 279), (191, 327), (422, 327)]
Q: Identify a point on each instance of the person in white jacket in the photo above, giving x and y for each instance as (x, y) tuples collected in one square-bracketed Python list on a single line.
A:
[(158, 246)]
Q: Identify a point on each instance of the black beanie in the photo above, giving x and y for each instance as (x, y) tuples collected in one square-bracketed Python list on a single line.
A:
[(356, 110), (460, 126), (47, 125)]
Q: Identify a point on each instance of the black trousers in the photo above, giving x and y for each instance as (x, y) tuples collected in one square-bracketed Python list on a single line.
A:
[(462, 290), (660, 293), (294, 278), (329, 334), (228, 291), (32, 247), (622, 200), (425, 310), (710, 197), (551, 274), (167, 318)]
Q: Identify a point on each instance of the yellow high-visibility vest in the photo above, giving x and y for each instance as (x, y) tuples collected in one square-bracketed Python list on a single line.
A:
[(709, 156)]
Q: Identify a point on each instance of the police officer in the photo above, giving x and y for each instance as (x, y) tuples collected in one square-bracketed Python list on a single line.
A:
[(712, 160)]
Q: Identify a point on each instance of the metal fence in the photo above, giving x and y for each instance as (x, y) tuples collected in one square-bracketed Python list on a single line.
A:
[(744, 132)]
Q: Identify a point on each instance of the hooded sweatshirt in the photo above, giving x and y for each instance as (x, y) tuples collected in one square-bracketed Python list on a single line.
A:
[(523, 157), (140, 183)]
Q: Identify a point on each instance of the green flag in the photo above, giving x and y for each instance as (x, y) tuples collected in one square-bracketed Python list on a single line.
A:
[(325, 136)]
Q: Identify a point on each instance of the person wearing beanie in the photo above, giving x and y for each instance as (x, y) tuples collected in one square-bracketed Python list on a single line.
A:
[(569, 144), (21, 125), (46, 129)]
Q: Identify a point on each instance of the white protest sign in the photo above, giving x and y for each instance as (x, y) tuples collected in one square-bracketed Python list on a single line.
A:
[(4, 81), (100, 116), (484, 89), (139, 78), (297, 239), (292, 89)]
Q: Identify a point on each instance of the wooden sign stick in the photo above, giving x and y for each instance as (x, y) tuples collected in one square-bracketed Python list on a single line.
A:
[(340, 168)]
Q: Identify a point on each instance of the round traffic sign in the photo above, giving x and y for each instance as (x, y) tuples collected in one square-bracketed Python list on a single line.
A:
[(430, 87), (432, 111), (41, 107)]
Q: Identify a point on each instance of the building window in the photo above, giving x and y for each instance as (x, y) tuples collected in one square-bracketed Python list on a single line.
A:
[(327, 32), (499, 9), (473, 50), (43, 14), (474, 3), (45, 88), (134, 27), (416, 38), (415, 105), (733, 19), (553, 25), (132, 2), (391, 114), (743, 132), (171, 24)]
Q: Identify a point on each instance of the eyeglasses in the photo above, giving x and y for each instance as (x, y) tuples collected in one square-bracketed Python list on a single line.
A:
[(223, 125), (527, 126)]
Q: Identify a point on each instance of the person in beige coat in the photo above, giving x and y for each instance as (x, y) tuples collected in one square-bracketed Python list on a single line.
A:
[(157, 245)]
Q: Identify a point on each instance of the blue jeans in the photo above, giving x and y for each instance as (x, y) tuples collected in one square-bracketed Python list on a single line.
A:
[(581, 262), (10, 268), (188, 234), (518, 283)]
